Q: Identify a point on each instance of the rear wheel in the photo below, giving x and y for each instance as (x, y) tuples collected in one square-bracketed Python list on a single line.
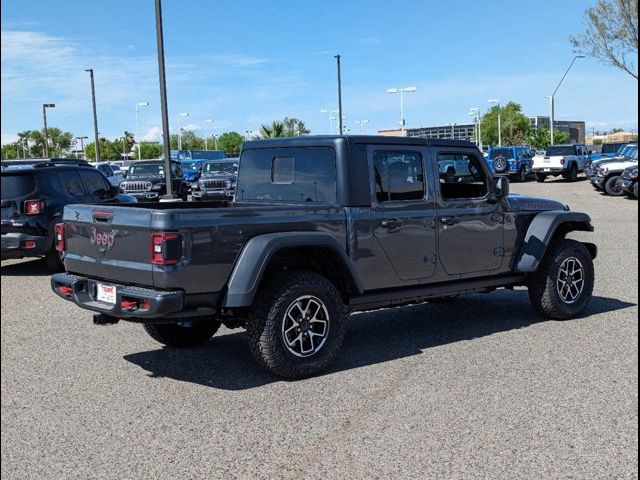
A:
[(190, 333), (572, 175), (296, 325), (522, 175), (612, 187), (635, 190), (540, 177), (561, 288)]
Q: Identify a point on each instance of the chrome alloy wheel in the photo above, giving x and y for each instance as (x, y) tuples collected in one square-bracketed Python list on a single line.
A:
[(570, 282), (305, 326)]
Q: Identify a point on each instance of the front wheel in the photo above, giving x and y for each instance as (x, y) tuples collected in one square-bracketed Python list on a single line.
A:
[(612, 187), (540, 177), (296, 325), (190, 333), (561, 288)]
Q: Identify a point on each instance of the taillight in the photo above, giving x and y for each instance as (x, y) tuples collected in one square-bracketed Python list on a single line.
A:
[(60, 243), (166, 248), (33, 207)]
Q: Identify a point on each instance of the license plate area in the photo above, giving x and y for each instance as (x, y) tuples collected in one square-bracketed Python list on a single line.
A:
[(547, 169), (106, 293)]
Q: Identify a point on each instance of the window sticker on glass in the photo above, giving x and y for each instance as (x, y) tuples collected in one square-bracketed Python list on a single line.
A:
[(282, 170)]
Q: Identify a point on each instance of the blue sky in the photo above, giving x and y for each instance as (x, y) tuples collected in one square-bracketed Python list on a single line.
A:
[(243, 63)]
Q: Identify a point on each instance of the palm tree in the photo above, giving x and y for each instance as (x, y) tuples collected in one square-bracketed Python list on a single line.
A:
[(275, 130)]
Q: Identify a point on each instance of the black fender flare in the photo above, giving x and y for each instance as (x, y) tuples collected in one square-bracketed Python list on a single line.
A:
[(541, 232), (254, 258)]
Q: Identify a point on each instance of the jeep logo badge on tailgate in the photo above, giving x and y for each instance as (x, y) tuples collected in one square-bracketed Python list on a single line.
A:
[(102, 239)]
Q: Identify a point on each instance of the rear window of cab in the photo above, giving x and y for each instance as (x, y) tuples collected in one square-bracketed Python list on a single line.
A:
[(292, 175)]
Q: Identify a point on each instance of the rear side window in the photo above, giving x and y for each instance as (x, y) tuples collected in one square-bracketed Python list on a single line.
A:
[(16, 186), (71, 182), (398, 176), (288, 175), (95, 183)]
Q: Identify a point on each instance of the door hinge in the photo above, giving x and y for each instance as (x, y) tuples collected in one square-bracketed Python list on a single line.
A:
[(500, 251)]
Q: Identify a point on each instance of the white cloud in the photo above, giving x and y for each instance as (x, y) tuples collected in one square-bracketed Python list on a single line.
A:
[(152, 134)]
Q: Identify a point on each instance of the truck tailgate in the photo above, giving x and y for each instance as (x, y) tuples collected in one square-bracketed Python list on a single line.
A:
[(110, 242)]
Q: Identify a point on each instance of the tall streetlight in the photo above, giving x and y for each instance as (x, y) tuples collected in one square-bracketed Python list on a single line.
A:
[(340, 116), (46, 131), (475, 113), (331, 114), (95, 113), (553, 96), (362, 123), (496, 101), (402, 91), (138, 105), (82, 139), (204, 124), (181, 115)]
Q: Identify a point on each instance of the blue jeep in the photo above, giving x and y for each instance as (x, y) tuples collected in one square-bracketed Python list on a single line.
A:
[(515, 161), (192, 169)]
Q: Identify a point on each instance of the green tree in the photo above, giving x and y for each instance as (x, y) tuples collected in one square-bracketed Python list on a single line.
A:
[(230, 142), (611, 34), (190, 141), (150, 150), (514, 125), (277, 129), (541, 138), (10, 151), (59, 142), (295, 127), (108, 150)]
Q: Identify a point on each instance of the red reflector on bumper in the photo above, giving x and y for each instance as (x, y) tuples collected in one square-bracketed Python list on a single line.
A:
[(29, 244), (65, 290)]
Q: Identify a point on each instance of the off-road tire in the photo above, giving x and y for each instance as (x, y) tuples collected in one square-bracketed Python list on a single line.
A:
[(610, 187), (192, 334), (543, 291), (522, 175), (53, 261), (540, 177), (635, 191), (500, 165), (264, 326), (572, 174)]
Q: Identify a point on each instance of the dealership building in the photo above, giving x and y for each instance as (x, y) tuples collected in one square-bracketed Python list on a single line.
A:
[(575, 129)]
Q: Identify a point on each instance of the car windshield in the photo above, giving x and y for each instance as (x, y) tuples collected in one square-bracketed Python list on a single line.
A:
[(501, 152), (191, 165), (15, 186), (557, 150), (611, 148), (147, 170), (220, 167), (634, 154)]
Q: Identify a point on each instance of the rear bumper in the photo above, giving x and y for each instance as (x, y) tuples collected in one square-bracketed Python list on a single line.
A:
[(149, 303), (549, 170), (16, 245), (598, 180)]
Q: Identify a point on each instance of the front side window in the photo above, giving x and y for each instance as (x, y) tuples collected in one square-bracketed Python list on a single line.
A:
[(288, 175), (71, 182), (461, 176), (95, 183), (398, 176)]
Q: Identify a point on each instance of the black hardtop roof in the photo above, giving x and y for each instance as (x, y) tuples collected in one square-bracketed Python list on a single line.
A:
[(37, 164), (329, 140), (221, 160)]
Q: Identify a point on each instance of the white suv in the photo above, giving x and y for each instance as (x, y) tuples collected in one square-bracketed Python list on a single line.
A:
[(565, 160)]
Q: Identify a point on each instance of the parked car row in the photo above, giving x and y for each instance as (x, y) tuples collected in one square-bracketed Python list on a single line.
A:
[(616, 176)]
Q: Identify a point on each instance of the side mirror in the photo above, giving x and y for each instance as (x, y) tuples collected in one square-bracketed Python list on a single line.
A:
[(502, 187)]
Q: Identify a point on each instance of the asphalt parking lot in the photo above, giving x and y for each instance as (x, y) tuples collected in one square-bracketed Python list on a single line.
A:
[(481, 388)]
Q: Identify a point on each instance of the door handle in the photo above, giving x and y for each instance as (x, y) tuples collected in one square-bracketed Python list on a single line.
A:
[(449, 220), (390, 224)]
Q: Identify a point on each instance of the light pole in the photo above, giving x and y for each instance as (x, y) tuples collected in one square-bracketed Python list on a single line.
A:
[(362, 123), (475, 113), (95, 113), (46, 131), (402, 91), (138, 105), (204, 124), (82, 139), (180, 115), (553, 96), (340, 116), (338, 124), (496, 101), (331, 118)]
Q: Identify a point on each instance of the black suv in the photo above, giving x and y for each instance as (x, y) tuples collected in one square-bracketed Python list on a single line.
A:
[(34, 193), (218, 180), (145, 180)]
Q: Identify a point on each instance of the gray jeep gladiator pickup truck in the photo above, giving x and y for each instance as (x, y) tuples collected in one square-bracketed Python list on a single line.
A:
[(320, 227)]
